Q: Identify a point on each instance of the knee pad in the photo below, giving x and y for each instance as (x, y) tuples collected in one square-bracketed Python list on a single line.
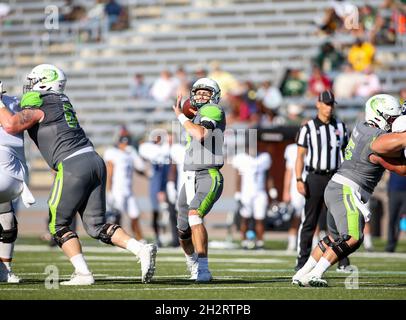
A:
[(340, 246), (104, 235), (185, 234), (60, 237), (8, 227)]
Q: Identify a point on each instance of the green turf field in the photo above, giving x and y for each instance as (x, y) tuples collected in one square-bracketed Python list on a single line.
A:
[(238, 274)]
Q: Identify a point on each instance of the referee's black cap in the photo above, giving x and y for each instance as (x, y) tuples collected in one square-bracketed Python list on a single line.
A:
[(327, 97)]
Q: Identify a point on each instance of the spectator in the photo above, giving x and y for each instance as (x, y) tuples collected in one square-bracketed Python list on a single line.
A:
[(182, 82), (329, 59), (268, 115), (369, 23), (4, 11), (346, 82), (402, 96), (113, 11), (225, 80), (270, 94), (318, 82), (294, 116), (164, 88), (361, 55), (293, 84), (200, 72), (369, 84), (336, 17), (140, 89), (71, 12), (96, 21)]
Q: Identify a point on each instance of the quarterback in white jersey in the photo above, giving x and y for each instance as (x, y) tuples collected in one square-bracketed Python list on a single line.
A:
[(13, 174), (253, 195), (122, 160)]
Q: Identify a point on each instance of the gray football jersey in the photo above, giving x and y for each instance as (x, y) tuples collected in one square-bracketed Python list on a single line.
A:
[(209, 152), (59, 134), (356, 165)]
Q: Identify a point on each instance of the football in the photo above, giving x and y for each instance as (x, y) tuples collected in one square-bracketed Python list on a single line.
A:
[(186, 109)]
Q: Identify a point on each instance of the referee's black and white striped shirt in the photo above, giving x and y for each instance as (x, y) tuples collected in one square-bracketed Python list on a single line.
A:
[(325, 144)]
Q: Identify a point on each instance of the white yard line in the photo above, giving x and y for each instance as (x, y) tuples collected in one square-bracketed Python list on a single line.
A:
[(93, 249)]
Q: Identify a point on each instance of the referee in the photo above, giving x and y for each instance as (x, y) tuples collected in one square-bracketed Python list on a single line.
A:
[(321, 143)]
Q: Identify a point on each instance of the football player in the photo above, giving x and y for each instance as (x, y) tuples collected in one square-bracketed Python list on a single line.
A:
[(351, 187), (204, 181), (252, 184), (121, 162), (80, 182), (13, 174)]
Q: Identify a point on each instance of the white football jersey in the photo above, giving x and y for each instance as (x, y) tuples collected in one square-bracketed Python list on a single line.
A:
[(177, 157), (297, 200), (253, 172), (13, 142), (155, 153), (124, 164)]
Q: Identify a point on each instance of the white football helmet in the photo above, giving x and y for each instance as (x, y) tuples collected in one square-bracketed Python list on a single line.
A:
[(45, 77), (205, 84), (381, 110)]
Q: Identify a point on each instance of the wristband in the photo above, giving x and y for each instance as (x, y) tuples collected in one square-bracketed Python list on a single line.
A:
[(182, 119), (299, 179)]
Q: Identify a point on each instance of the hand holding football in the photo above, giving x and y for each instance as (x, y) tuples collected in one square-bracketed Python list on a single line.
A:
[(188, 109)]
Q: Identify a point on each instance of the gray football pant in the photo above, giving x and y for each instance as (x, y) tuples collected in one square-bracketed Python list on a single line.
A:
[(207, 189), (79, 186), (343, 217)]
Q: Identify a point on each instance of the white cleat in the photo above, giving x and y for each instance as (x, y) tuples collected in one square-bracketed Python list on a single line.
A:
[(192, 267), (9, 277), (147, 256), (204, 276), (79, 279), (310, 280)]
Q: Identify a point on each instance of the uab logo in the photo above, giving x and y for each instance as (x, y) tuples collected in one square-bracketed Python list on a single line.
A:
[(50, 75)]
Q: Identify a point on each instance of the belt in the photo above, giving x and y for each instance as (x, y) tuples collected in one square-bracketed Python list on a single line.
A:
[(321, 172), (84, 150)]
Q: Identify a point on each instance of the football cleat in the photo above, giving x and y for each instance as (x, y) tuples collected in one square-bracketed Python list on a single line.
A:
[(9, 277), (79, 279), (310, 280), (147, 256), (193, 267), (204, 276)]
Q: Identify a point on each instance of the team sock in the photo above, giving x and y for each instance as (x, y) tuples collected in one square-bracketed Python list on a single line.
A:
[(308, 266), (134, 246), (80, 264), (321, 267)]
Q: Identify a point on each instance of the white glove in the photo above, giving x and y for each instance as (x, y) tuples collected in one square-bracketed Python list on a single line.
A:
[(171, 192), (26, 196), (237, 196)]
